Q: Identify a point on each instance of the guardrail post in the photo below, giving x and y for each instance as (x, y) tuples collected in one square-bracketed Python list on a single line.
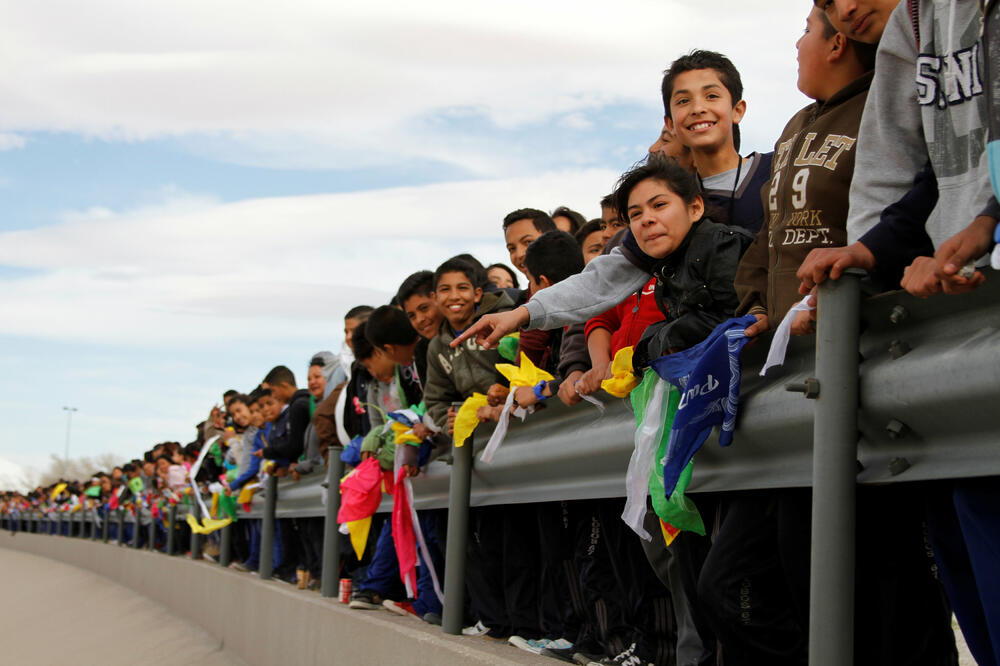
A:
[(171, 529), (330, 583), (196, 539), (93, 524), (458, 534), (105, 526), (137, 529), (59, 526), (267, 529), (121, 526), (226, 545), (835, 452), (152, 532)]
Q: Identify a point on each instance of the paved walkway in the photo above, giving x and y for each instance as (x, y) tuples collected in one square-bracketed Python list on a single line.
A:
[(53, 613)]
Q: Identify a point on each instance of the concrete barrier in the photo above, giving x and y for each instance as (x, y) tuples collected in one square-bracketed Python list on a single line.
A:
[(268, 622)]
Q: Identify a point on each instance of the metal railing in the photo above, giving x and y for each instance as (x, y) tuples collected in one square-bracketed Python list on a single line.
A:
[(892, 389)]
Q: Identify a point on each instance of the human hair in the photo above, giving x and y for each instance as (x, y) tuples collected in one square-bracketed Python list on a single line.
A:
[(280, 374), (481, 270), (608, 200), (507, 269), (591, 227), (359, 312), (555, 255), (229, 394), (240, 398), (363, 349), (679, 180), (389, 326), (128, 467), (576, 220), (420, 283), (476, 275), (700, 59), (539, 218), (828, 28), (162, 456)]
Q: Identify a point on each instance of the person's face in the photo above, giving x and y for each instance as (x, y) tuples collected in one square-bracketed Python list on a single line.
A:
[(611, 224), (500, 278), (563, 224), (701, 110), (668, 145), (281, 392), (105, 484), (270, 408), (812, 49), (240, 414), (349, 326), (316, 382), (116, 473), (860, 20), (659, 218), (380, 366), (592, 246), (256, 419), (162, 467), (148, 468), (424, 315), (457, 298), (519, 236)]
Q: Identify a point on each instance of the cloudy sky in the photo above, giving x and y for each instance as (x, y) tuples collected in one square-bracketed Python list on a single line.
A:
[(191, 192)]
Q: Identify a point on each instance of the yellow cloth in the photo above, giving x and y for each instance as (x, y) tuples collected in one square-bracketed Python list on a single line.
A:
[(404, 434), (527, 374), (622, 379), (214, 510), (466, 419), (58, 489), (209, 525), (246, 495), (358, 530)]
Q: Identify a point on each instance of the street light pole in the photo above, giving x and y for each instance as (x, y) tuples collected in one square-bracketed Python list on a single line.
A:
[(69, 423)]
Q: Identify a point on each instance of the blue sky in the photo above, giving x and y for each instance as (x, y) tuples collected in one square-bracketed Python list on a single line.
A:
[(188, 200)]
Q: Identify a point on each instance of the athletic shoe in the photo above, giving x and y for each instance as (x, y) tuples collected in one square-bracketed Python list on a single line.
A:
[(562, 654), (478, 629), (525, 644), (366, 600), (630, 656), (404, 608), (239, 566), (432, 618)]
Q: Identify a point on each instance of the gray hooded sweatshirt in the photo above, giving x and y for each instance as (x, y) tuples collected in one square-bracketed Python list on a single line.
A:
[(925, 104)]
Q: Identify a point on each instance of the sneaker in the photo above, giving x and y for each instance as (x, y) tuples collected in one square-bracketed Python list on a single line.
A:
[(630, 656), (403, 608), (239, 566), (525, 644), (432, 618), (210, 558), (562, 654), (478, 629), (366, 600)]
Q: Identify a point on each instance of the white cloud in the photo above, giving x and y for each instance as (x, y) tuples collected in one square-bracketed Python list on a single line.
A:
[(10, 141), (349, 79), (192, 269)]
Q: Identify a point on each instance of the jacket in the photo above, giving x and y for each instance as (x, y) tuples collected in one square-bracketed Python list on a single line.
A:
[(745, 201), (455, 374), (806, 200), (629, 319), (403, 392), (694, 287), (288, 434)]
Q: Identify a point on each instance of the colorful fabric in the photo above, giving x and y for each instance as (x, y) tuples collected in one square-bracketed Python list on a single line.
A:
[(466, 419), (404, 538), (622, 379), (361, 493)]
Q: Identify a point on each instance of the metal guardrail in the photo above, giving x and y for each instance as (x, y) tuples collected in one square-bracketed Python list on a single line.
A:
[(908, 399)]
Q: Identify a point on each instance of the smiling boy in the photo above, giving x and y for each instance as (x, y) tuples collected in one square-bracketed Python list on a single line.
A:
[(521, 228)]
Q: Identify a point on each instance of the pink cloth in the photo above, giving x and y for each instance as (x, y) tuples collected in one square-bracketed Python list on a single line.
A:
[(361, 491), (404, 537)]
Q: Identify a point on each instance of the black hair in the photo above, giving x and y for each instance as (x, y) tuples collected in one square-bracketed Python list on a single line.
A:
[(317, 360), (359, 312), (589, 228), (476, 275), (539, 218), (228, 394), (280, 374), (608, 200), (389, 326), (363, 349), (163, 456), (575, 219), (555, 255), (128, 467), (239, 397), (658, 167), (420, 283), (699, 59), (147, 456), (508, 270)]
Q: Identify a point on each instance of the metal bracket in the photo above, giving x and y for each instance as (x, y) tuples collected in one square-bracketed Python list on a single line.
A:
[(809, 388)]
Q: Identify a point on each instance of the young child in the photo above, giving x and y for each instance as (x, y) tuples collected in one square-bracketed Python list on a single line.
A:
[(287, 440), (520, 228)]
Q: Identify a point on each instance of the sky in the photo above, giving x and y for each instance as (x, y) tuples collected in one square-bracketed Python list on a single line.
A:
[(192, 193)]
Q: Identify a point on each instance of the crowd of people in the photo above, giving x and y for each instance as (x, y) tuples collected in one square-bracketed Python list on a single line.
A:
[(886, 171)]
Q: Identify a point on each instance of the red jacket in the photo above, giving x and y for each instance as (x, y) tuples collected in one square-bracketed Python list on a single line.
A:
[(627, 320)]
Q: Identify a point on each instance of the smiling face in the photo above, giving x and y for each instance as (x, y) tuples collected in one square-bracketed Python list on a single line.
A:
[(240, 413), (457, 298), (860, 20), (316, 382), (659, 218), (702, 113), (424, 315), (519, 236), (270, 408)]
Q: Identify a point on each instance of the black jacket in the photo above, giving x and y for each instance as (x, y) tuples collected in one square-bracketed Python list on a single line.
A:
[(288, 434)]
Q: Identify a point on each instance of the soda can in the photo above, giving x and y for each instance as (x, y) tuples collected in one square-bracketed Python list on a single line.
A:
[(345, 590)]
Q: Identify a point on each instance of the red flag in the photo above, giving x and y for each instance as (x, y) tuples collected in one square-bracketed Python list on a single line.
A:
[(404, 537)]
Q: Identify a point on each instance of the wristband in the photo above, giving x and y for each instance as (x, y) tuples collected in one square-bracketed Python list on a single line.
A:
[(539, 387)]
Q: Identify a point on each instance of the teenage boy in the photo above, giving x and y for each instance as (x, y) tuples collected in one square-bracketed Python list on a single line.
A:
[(520, 228), (288, 435), (703, 105)]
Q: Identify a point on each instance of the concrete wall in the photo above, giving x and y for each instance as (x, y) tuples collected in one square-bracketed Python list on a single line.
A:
[(269, 622)]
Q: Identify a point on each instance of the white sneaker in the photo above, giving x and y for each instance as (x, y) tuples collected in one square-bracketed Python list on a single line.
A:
[(478, 629), (524, 644)]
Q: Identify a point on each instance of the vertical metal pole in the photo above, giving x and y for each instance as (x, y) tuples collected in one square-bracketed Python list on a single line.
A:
[(835, 452), (226, 545), (151, 545), (458, 534), (267, 529), (331, 535), (137, 529), (106, 526), (60, 526), (121, 526), (196, 539), (171, 529), (93, 524)]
